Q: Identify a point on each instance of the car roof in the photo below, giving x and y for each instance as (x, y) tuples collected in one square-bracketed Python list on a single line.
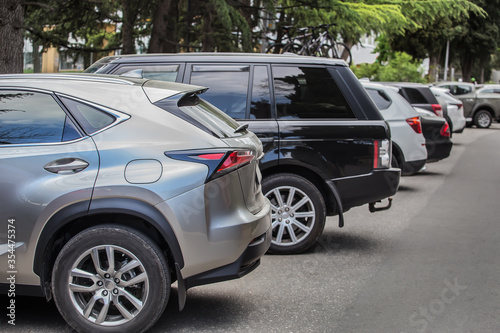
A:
[(222, 57), (376, 85), (405, 84), (91, 86)]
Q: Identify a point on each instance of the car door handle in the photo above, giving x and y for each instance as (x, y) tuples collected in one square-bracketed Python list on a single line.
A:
[(66, 166)]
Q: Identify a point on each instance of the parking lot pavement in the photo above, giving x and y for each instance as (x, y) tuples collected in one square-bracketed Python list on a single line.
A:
[(429, 264)]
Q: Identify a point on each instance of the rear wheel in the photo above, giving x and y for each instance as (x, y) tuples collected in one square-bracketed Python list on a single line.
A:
[(291, 48), (483, 119), (111, 279), (343, 52), (298, 212)]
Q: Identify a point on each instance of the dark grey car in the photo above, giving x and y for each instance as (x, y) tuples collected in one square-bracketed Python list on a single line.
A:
[(112, 189)]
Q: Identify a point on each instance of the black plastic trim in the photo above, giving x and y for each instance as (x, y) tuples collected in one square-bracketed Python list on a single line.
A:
[(247, 262), (108, 206), (22, 290)]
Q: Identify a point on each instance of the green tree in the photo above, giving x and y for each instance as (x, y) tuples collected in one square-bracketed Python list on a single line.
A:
[(354, 18), (478, 39), (399, 67)]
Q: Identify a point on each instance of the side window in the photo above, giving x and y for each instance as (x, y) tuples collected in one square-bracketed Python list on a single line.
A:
[(415, 96), (152, 72), (308, 92), (228, 87), (380, 98), (32, 117), (90, 118), (459, 89), (260, 107)]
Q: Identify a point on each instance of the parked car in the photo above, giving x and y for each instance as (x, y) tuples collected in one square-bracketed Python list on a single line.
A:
[(418, 95), (454, 109), (481, 105), (326, 146), (112, 189), (457, 88), (408, 143), (437, 135)]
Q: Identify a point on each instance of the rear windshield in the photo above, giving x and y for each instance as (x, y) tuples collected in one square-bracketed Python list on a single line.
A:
[(99, 66), (203, 115)]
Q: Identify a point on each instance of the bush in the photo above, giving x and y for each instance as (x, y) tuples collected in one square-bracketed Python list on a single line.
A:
[(400, 68)]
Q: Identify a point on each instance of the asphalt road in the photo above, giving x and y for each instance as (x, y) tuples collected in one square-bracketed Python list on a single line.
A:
[(429, 264)]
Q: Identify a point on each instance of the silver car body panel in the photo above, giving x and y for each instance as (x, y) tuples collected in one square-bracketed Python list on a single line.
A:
[(411, 143), (31, 195), (213, 222)]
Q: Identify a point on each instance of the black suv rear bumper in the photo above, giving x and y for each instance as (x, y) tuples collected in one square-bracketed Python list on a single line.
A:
[(363, 189)]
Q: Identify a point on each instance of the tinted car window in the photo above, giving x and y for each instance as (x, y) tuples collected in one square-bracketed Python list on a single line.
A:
[(202, 115), (380, 98), (153, 72), (90, 118), (228, 87), (415, 96), (31, 117), (308, 92), (458, 89), (261, 96)]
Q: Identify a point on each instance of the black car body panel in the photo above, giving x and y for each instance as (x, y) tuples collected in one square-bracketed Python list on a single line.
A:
[(296, 136), (438, 146)]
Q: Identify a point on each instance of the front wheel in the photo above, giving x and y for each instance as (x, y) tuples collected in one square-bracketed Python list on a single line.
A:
[(483, 119), (298, 212), (111, 279)]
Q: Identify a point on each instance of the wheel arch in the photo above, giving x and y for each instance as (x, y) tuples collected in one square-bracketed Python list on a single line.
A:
[(73, 219), (484, 107), (332, 206), (398, 153)]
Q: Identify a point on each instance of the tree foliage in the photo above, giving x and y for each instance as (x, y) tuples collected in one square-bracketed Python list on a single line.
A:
[(82, 26), (401, 67)]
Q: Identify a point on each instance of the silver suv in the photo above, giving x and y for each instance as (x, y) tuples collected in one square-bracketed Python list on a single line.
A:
[(111, 189)]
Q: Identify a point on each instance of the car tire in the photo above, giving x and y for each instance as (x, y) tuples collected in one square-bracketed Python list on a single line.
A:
[(128, 296), (483, 119), (298, 212)]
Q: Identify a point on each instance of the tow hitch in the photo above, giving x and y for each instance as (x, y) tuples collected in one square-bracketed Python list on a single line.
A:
[(373, 209)]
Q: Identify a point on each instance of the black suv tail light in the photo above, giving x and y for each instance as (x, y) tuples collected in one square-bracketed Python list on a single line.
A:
[(219, 162), (381, 154)]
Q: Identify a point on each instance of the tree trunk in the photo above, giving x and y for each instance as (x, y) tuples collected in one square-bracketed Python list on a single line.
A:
[(37, 66), (466, 64), (129, 16), (164, 33), (433, 68), (208, 40), (11, 36)]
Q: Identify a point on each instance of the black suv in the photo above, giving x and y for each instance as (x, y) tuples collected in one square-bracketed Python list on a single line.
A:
[(326, 146)]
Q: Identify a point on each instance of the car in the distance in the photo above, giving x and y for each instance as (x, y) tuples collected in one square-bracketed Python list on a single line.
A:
[(481, 104), (437, 135), (418, 95), (454, 109), (409, 152), (111, 189)]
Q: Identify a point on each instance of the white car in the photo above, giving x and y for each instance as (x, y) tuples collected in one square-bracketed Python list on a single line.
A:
[(408, 143), (455, 108)]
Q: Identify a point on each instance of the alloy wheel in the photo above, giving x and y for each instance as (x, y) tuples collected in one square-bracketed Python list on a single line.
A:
[(293, 215), (108, 285)]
